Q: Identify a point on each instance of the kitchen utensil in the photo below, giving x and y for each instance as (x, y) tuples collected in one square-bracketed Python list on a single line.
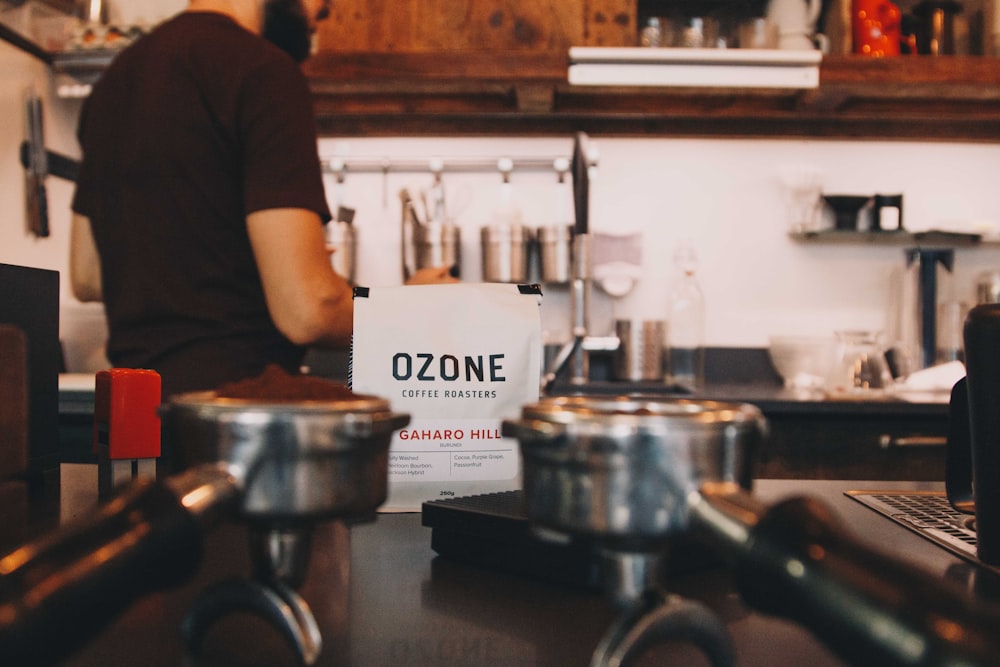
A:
[(887, 213), (796, 21), (914, 317), (341, 238), (697, 32), (630, 472), (580, 170), (757, 32), (973, 463), (948, 343), (279, 465), (876, 28), (616, 261), (803, 362), (427, 243), (614, 470), (555, 253), (506, 253), (861, 369), (846, 209), (988, 287), (801, 188), (922, 264), (936, 30), (580, 286), (640, 350), (35, 169)]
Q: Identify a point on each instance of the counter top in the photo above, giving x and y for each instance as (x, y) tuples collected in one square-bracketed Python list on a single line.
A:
[(76, 398), (775, 399), (381, 596)]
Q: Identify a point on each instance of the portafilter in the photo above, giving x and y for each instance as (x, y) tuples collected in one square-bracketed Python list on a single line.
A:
[(281, 466), (631, 472)]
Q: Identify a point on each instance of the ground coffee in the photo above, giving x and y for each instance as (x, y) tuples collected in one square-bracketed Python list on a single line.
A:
[(277, 384)]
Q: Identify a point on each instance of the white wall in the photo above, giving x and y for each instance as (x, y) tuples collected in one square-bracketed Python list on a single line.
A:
[(727, 197), (724, 195)]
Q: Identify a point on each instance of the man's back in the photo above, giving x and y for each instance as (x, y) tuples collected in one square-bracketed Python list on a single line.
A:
[(192, 128)]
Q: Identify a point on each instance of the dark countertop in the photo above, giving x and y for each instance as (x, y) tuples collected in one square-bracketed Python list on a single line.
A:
[(771, 398), (382, 597), (774, 399)]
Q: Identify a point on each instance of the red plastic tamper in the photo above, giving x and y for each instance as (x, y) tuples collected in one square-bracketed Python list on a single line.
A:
[(126, 425)]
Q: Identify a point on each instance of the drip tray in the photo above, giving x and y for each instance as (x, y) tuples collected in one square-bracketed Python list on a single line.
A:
[(929, 514), (492, 530)]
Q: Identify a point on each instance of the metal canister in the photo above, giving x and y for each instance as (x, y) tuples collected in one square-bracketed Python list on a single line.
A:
[(555, 253), (640, 349), (438, 244), (506, 253)]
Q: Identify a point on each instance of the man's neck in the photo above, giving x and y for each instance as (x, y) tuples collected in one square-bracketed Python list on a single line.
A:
[(248, 13)]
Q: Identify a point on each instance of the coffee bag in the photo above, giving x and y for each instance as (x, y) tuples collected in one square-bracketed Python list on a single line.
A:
[(458, 358)]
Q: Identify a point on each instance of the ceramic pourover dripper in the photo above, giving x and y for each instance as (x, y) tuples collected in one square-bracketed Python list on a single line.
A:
[(846, 209)]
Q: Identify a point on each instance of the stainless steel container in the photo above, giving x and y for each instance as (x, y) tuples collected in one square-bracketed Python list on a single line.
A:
[(640, 349), (620, 469), (506, 253), (437, 244), (555, 253), (341, 237), (427, 243)]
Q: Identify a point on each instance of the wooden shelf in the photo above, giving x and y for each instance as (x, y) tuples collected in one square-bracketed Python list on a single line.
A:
[(929, 239), (952, 98)]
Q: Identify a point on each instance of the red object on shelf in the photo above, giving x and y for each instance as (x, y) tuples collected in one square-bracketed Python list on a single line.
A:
[(876, 28), (126, 421)]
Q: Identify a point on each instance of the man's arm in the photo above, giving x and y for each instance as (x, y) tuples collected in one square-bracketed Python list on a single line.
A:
[(84, 262), (308, 301)]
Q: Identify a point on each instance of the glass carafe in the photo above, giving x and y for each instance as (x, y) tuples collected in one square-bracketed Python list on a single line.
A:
[(861, 370)]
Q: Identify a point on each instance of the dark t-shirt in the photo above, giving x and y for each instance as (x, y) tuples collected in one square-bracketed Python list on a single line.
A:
[(193, 127)]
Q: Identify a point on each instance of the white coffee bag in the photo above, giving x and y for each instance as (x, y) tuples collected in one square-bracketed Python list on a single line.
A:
[(458, 359)]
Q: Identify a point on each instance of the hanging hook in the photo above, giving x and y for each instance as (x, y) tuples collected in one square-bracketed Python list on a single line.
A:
[(561, 165), (436, 165), (339, 168), (505, 165)]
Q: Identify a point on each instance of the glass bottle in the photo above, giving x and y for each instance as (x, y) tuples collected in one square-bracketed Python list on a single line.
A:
[(686, 324)]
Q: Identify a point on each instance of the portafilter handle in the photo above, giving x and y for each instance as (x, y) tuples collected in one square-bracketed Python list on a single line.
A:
[(60, 590), (657, 618), (794, 559)]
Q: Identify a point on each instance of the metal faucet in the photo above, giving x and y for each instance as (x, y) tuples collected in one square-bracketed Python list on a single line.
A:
[(575, 353)]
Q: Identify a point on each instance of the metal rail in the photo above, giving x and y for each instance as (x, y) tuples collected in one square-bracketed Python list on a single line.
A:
[(342, 167)]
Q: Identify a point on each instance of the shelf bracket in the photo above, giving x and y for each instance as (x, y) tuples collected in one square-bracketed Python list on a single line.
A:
[(534, 97)]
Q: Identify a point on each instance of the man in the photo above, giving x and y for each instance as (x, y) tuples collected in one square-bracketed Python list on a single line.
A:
[(199, 203)]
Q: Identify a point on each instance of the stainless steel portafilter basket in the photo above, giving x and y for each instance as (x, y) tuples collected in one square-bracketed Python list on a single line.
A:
[(620, 469), (293, 460)]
